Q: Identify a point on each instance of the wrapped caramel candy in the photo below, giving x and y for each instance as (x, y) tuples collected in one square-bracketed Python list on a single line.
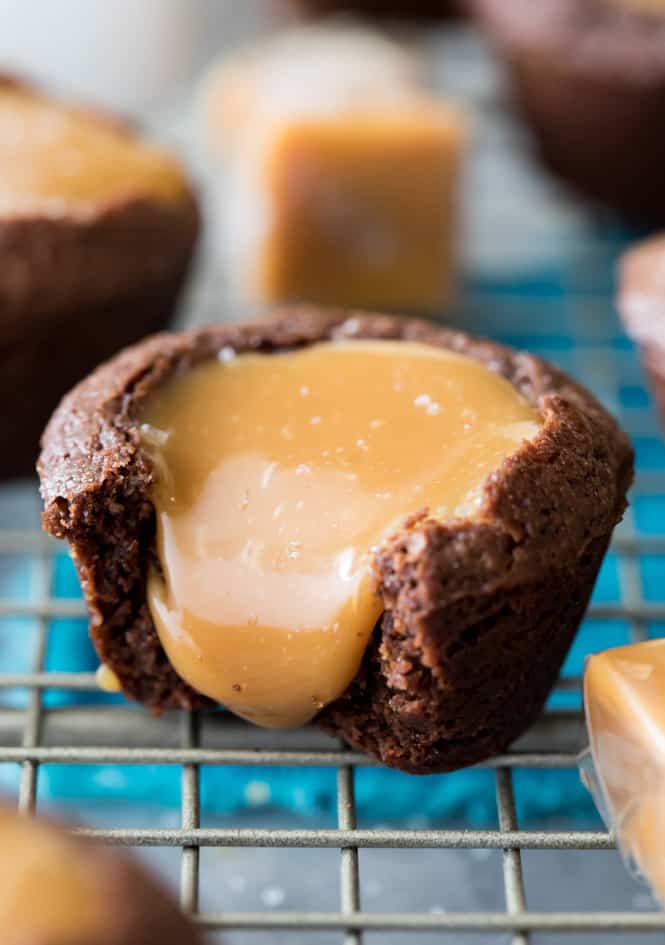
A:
[(624, 693)]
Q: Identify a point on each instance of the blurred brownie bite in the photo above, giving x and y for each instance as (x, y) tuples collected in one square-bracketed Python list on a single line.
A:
[(60, 889), (589, 76), (97, 229)]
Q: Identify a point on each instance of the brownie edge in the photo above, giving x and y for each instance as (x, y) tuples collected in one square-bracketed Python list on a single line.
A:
[(419, 10), (478, 614), (589, 77)]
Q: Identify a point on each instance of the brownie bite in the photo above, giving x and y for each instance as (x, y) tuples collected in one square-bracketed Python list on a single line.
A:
[(97, 230), (641, 303), (384, 9), (60, 889), (589, 76), (475, 609)]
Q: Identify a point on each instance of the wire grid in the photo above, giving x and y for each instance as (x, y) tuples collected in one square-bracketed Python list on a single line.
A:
[(114, 734), (562, 314)]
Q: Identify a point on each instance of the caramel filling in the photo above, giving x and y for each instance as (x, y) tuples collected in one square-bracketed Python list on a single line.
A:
[(107, 680), (624, 692), (54, 158), (47, 893), (277, 476)]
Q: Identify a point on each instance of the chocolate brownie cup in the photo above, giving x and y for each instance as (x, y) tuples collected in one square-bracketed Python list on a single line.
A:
[(475, 614), (384, 9), (641, 303), (590, 78), (97, 229), (60, 889)]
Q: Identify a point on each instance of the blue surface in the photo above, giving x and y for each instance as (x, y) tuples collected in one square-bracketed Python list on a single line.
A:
[(564, 314)]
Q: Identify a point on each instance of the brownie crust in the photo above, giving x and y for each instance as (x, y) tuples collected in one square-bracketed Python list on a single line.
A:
[(589, 76), (478, 614), (75, 287)]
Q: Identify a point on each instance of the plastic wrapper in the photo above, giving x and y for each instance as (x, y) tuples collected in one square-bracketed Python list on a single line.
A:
[(624, 695)]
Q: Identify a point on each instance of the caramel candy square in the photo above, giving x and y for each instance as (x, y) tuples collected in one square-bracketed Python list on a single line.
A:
[(359, 207), (341, 171)]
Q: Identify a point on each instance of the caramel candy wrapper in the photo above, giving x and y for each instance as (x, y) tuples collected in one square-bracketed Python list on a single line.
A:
[(624, 696)]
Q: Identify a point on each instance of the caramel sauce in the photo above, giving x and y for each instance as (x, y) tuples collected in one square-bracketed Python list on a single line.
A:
[(54, 158), (277, 476), (107, 680), (624, 691)]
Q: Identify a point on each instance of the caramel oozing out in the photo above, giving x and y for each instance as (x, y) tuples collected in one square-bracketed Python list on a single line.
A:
[(55, 158), (276, 478), (624, 694), (47, 893), (107, 680)]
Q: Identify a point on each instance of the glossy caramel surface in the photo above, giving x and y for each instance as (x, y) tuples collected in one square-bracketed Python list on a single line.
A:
[(277, 476), (55, 159)]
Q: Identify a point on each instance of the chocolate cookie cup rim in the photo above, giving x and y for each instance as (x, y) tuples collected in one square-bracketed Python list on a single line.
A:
[(76, 257), (612, 57), (92, 459), (124, 201), (84, 244)]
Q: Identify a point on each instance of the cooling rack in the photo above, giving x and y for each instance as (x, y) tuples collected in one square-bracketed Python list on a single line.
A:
[(83, 735), (540, 275), (34, 733)]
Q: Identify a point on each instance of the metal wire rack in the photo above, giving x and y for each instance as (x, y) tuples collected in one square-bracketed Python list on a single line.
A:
[(87, 735), (35, 733)]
